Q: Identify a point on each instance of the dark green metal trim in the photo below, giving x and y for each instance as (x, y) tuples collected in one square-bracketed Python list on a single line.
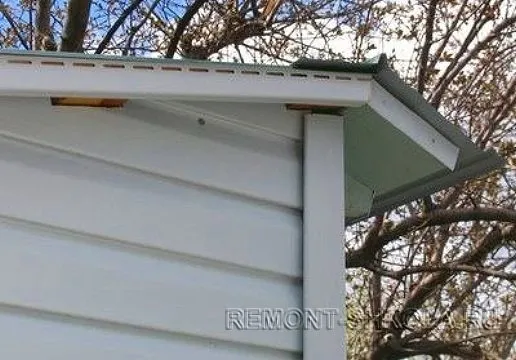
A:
[(373, 66)]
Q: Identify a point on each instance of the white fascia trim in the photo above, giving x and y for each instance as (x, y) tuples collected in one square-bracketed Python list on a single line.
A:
[(408, 122), (44, 76)]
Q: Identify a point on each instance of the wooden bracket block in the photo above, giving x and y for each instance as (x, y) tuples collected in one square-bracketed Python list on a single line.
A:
[(89, 102)]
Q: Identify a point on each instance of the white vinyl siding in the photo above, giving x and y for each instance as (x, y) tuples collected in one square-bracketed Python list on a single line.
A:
[(129, 232)]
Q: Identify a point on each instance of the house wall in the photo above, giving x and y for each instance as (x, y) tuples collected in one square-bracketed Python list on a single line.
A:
[(126, 233)]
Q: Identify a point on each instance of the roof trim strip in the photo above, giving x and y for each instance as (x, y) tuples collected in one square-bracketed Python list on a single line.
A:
[(179, 80)]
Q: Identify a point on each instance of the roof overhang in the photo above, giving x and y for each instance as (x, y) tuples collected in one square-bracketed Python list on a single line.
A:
[(402, 180), (398, 148)]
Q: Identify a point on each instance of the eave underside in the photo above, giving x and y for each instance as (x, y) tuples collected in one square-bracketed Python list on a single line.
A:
[(395, 153)]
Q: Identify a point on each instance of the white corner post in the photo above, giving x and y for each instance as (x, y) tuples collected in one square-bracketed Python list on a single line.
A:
[(323, 237)]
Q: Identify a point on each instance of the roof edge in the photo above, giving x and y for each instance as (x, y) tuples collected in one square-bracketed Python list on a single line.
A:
[(391, 82), (483, 164), (388, 79), (371, 66)]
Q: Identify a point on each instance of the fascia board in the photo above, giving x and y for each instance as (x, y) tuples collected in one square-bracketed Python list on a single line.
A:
[(413, 126), (64, 76)]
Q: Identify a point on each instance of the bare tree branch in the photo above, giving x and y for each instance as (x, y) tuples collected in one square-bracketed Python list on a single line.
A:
[(4, 10), (481, 45), (445, 40), (270, 7), (458, 301), (477, 25), (42, 23), (429, 283), (75, 27), (119, 21), (182, 25), (506, 106), (394, 350), (398, 275), (423, 63), (137, 28), (437, 217), (507, 347)]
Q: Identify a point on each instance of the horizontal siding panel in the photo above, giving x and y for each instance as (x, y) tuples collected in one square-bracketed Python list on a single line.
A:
[(51, 272), (271, 118), (83, 195), (29, 338), (165, 144)]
